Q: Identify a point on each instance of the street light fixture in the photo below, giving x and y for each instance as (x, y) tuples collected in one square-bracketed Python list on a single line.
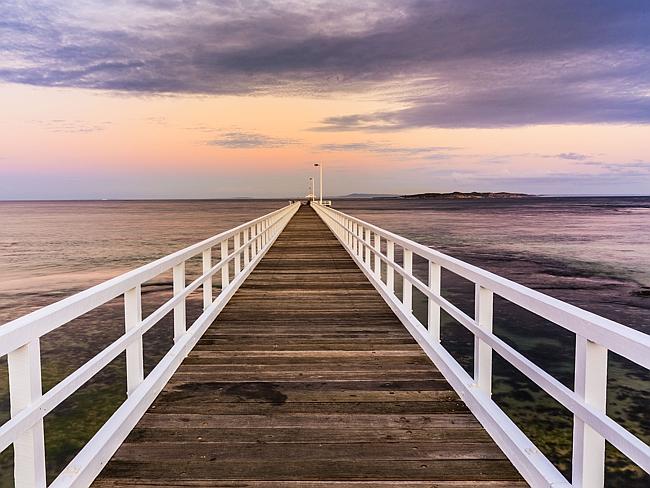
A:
[(311, 189), (320, 166)]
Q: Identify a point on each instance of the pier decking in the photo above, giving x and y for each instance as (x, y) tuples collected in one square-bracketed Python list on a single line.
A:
[(307, 378)]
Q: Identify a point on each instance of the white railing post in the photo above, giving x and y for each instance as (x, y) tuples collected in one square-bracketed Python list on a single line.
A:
[(247, 246), (25, 388), (348, 227), (390, 271), (366, 240), (407, 286), (178, 275), (225, 272), (134, 353), (265, 236), (207, 284), (433, 316), (588, 465), (377, 244), (483, 311), (237, 251)]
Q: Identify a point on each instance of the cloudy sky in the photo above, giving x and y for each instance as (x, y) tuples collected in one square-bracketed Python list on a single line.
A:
[(172, 98)]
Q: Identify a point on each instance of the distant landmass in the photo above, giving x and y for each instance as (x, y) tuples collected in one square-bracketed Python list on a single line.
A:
[(459, 195), (369, 195)]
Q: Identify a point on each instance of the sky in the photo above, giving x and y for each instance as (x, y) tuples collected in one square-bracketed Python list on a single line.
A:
[(217, 99)]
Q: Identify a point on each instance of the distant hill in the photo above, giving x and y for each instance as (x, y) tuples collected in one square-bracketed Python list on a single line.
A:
[(368, 195), (459, 195)]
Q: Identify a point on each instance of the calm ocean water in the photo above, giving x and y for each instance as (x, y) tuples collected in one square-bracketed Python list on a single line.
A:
[(592, 252)]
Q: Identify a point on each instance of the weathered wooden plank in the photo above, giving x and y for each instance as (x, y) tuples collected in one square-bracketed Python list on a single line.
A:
[(121, 482), (307, 379)]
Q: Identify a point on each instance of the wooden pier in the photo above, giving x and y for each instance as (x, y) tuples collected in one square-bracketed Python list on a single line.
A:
[(307, 378)]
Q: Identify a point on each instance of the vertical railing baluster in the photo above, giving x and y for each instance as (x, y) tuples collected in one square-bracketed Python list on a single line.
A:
[(265, 232), (407, 287), (483, 311), (390, 271), (359, 244), (247, 247), (348, 236), (178, 276), (25, 388), (237, 251), (433, 315), (588, 465), (366, 241), (225, 272), (134, 352), (207, 284), (377, 244)]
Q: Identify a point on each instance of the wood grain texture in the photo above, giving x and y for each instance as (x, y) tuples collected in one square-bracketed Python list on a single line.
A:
[(307, 379)]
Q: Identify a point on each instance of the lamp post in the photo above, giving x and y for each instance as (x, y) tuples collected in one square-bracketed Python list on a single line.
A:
[(320, 166), (311, 188)]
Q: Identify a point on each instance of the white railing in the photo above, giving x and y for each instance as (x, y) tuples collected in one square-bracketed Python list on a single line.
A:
[(244, 246), (595, 336)]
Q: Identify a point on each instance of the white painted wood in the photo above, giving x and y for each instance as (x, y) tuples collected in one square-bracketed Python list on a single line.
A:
[(377, 246), (366, 246), (237, 251), (225, 272), (588, 463), (407, 287), (433, 312), (24, 389), (180, 314), (134, 352), (483, 311), (247, 247), (390, 271), (207, 284)]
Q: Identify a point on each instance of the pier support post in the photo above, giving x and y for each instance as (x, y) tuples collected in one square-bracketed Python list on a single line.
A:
[(25, 388), (483, 311), (588, 464)]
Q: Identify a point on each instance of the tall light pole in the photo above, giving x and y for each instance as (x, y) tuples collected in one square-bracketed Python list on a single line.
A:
[(311, 188), (320, 166)]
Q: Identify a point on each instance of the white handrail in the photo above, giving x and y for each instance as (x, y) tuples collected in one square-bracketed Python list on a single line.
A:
[(595, 336), (20, 341)]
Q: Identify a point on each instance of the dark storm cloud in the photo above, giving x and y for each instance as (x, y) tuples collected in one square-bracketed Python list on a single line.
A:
[(446, 63)]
